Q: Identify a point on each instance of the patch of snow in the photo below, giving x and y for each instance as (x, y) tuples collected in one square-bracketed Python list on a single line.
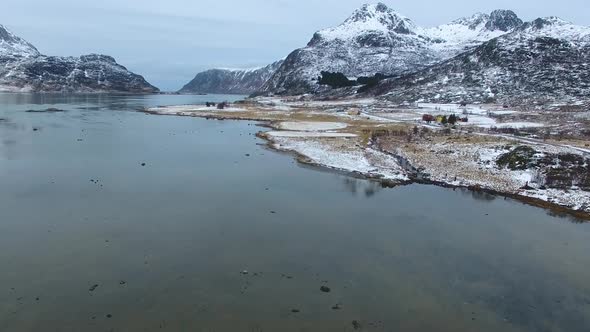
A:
[(312, 126), (307, 134), (515, 125), (370, 163)]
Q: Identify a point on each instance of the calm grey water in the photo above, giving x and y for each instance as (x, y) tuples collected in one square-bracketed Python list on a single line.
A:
[(166, 243)]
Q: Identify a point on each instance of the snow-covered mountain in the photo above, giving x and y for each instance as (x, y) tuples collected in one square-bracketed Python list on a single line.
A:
[(14, 46), (546, 60), (376, 39), (24, 69), (231, 81)]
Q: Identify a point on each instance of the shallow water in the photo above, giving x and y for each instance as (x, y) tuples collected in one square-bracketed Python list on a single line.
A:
[(166, 242)]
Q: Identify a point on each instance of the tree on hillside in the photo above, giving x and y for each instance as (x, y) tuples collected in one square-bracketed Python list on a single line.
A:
[(335, 80), (452, 119)]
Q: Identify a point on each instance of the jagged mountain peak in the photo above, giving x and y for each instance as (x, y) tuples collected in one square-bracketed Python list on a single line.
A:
[(14, 46), (557, 28), (369, 18), (380, 13), (473, 21), (543, 22), (503, 20), (377, 39)]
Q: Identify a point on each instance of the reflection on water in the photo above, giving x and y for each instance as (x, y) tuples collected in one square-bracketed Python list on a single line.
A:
[(478, 194), (367, 188), (167, 243)]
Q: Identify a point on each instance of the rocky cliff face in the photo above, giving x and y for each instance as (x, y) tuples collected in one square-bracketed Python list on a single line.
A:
[(376, 39), (24, 69), (546, 60), (231, 81)]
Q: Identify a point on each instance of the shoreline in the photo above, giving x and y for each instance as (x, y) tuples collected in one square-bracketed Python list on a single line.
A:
[(580, 216), (271, 120)]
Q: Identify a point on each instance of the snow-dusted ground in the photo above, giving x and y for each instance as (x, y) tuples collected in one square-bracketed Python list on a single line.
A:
[(515, 125), (307, 134), (474, 164), (575, 199), (369, 162), (191, 109), (311, 126)]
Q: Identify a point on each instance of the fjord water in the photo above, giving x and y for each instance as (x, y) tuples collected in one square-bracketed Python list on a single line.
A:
[(91, 240)]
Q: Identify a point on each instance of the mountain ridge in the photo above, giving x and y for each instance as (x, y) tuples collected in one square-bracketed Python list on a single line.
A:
[(230, 81), (24, 69), (377, 39), (543, 61)]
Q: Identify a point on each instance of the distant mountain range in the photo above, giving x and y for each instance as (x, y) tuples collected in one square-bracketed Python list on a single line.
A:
[(231, 81), (24, 69), (492, 57)]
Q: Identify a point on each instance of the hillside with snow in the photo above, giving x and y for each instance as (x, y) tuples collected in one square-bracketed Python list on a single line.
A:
[(24, 69), (377, 39), (543, 61)]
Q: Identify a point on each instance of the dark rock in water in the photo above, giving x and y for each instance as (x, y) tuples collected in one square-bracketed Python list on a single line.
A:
[(122, 282), (143, 164), (48, 110), (93, 288), (295, 311), (325, 289), (35, 129), (356, 325), (336, 307), (109, 316)]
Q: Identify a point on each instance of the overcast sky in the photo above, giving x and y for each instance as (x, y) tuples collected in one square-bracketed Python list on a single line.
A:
[(169, 41)]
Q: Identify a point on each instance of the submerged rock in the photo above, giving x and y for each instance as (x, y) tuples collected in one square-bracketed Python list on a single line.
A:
[(48, 110)]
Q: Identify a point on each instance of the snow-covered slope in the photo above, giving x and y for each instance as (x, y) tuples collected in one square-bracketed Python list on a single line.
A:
[(376, 39), (24, 69), (231, 81), (14, 46), (546, 60)]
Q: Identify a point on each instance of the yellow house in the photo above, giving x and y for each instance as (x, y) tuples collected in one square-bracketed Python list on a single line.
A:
[(439, 118)]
